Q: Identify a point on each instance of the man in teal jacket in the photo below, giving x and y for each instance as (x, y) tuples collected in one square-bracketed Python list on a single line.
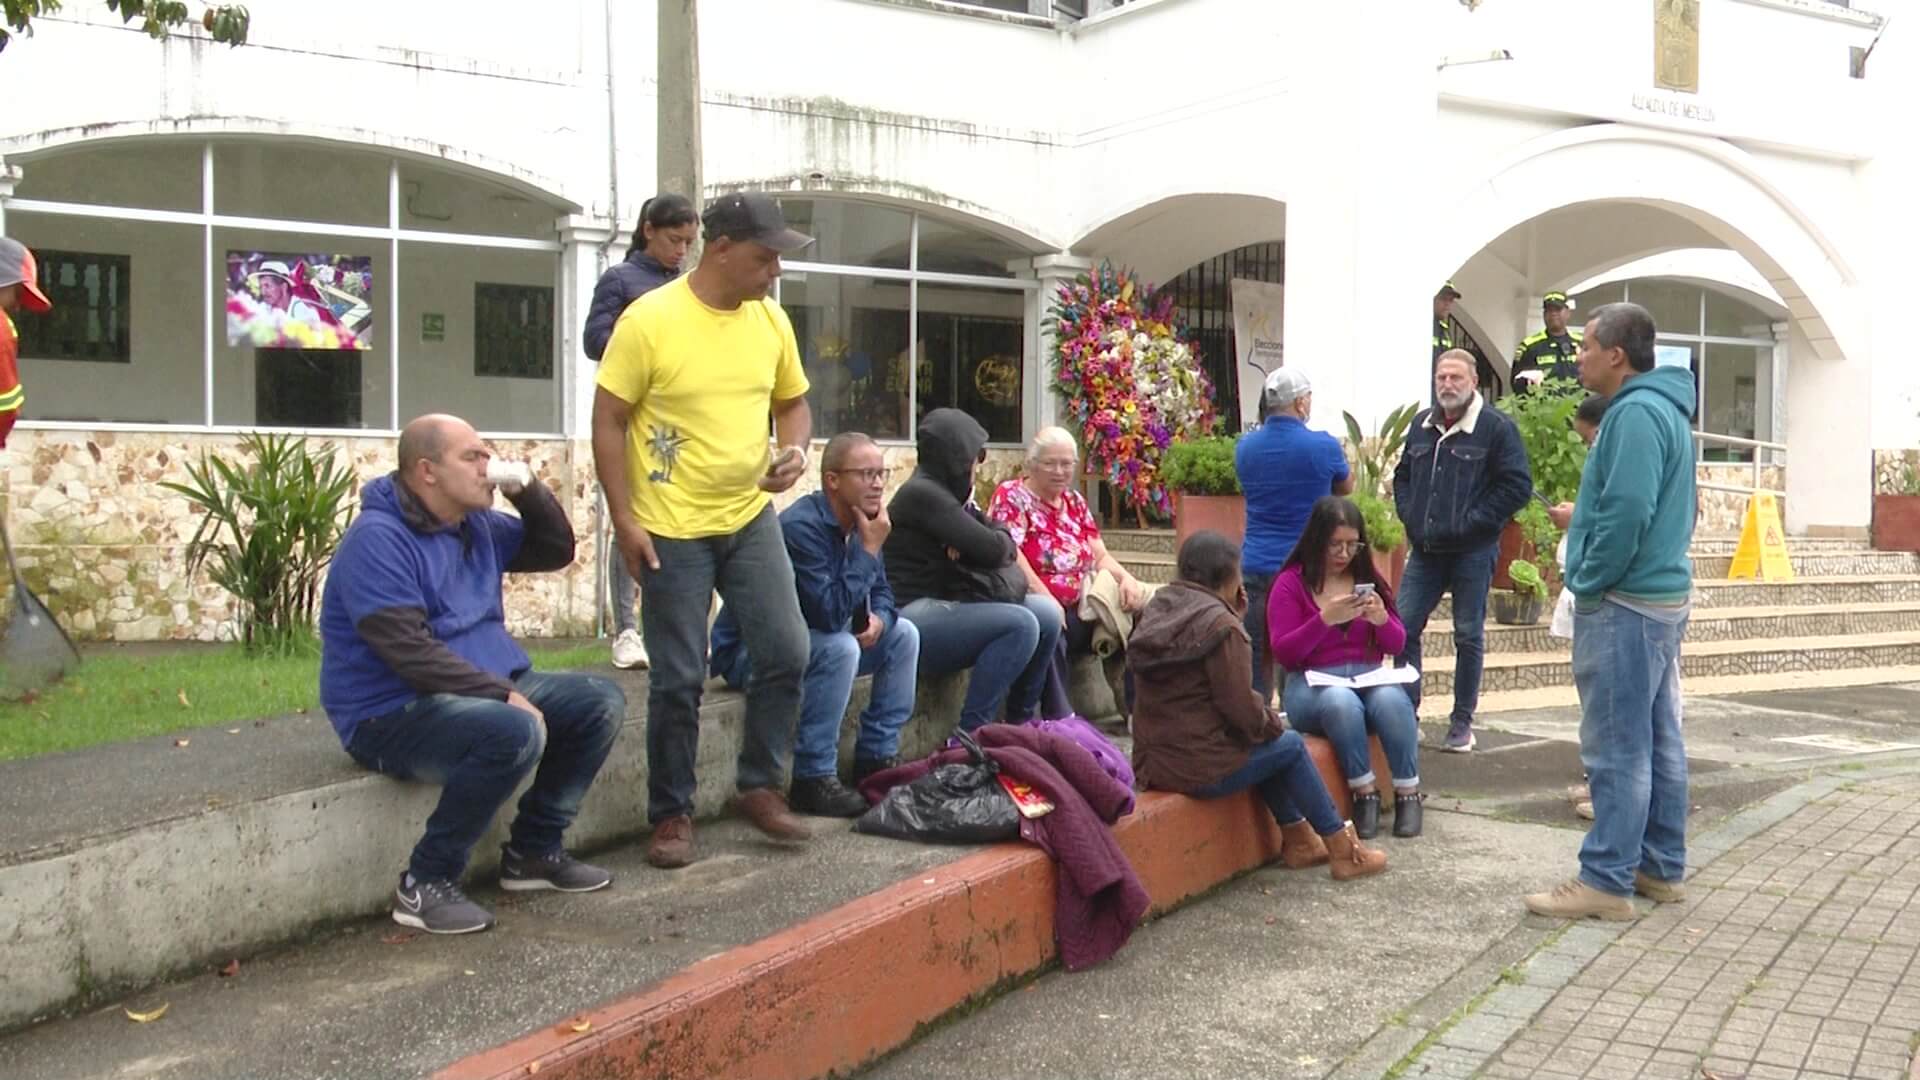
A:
[(1632, 583)]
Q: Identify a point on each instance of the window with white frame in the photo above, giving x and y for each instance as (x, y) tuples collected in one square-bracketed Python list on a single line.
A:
[(284, 284), (898, 313), (1731, 345)]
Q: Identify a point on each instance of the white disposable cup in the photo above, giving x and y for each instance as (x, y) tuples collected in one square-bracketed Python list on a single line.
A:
[(501, 472)]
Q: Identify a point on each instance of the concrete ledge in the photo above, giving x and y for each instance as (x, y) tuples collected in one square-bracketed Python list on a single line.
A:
[(835, 992), (129, 864)]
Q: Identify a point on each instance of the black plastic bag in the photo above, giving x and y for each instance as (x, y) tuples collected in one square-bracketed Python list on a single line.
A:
[(960, 803)]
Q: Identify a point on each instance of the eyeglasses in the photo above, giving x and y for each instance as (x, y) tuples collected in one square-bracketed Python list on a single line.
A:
[(1345, 547), (1056, 464), (869, 476)]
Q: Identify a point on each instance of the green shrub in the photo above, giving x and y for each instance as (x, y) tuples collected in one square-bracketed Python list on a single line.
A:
[(267, 531), (1384, 531), (1374, 458), (1201, 466), (1526, 578)]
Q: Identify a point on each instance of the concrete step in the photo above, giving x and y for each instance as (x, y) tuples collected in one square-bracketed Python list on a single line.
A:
[(1124, 542), (1815, 567), (1847, 591), (1560, 697), (1709, 624), (125, 864), (1740, 657)]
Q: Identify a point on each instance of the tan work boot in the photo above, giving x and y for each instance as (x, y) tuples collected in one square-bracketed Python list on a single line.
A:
[(672, 845), (768, 812), (1575, 899), (1301, 847), (1660, 892), (1350, 858)]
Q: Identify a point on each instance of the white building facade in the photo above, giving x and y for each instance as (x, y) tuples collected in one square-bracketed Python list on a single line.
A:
[(956, 161)]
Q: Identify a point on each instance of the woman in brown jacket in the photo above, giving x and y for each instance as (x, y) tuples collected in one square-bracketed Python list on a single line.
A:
[(1199, 728)]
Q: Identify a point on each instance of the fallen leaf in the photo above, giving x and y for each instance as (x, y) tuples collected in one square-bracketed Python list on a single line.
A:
[(232, 969), (397, 939), (574, 1026), (181, 742), (470, 971), (1271, 920), (233, 731), (532, 1067), (302, 710), (184, 703), (259, 723), (146, 1017)]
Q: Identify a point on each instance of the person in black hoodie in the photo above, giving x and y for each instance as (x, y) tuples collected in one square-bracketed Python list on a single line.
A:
[(949, 568), (668, 225)]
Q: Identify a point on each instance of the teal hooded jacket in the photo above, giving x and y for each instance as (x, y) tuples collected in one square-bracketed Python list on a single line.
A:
[(1633, 521)]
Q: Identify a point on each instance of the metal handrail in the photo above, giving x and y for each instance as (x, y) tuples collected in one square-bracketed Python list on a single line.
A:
[(1756, 445)]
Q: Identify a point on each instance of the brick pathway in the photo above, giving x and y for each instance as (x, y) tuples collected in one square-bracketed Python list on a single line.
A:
[(1793, 957)]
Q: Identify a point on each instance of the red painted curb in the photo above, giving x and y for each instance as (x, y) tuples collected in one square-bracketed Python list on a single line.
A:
[(835, 992)]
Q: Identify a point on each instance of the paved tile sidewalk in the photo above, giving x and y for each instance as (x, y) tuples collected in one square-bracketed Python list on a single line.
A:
[(1793, 957)]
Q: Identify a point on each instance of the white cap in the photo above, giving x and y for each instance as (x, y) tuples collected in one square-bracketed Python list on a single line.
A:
[(1285, 386)]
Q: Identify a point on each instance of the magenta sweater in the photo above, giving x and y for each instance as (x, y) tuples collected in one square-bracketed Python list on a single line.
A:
[(1299, 640)]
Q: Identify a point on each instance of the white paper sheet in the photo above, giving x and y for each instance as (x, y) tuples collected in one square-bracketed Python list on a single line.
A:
[(1386, 676)]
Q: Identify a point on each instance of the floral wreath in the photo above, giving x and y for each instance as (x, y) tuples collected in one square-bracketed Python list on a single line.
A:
[(1131, 381)]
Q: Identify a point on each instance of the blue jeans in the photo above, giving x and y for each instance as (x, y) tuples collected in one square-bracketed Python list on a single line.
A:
[(1346, 718), (1624, 665), (832, 664), (1287, 781), (1008, 646), (1255, 620), (751, 570), (1467, 575), (478, 750)]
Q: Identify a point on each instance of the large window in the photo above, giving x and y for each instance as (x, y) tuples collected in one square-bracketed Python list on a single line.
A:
[(286, 284), (1731, 345), (898, 313)]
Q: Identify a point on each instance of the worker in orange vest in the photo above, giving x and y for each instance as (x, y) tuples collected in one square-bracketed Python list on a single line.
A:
[(19, 289)]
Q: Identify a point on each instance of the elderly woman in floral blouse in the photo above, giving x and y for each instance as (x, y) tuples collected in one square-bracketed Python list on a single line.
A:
[(1060, 546)]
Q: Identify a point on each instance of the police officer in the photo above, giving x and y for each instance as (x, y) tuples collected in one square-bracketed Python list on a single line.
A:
[(1551, 353), (1447, 336)]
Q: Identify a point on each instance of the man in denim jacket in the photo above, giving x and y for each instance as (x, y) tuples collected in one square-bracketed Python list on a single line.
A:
[(1462, 477)]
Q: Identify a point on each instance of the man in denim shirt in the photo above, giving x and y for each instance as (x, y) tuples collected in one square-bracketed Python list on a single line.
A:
[(1462, 477), (833, 537)]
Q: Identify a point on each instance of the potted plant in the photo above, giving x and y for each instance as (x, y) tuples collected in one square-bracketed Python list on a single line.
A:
[(1520, 603), (1385, 536), (1206, 489), (1373, 462), (1896, 514), (1555, 456)]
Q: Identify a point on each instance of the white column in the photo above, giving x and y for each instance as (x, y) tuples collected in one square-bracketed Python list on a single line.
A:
[(1829, 446), (1776, 430), (583, 238), (10, 177), (1040, 405)]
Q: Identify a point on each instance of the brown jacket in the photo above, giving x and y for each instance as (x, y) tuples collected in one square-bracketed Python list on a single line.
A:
[(1196, 717)]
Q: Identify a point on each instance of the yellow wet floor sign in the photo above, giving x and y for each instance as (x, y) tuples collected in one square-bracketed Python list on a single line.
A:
[(1762, 551)]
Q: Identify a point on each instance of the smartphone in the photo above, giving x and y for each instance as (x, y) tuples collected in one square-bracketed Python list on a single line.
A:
[(1364, 589), (1544, 501), (862, 613)]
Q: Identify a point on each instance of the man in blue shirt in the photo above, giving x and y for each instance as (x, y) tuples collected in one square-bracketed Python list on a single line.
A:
[(1284, 468), (422, 681), (834, 537)]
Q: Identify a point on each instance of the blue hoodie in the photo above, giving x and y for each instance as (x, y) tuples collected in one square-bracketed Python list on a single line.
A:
[(412, 606), (1633, 521)]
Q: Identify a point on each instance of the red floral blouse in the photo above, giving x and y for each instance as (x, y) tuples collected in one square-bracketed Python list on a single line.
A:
[(1057, 540)]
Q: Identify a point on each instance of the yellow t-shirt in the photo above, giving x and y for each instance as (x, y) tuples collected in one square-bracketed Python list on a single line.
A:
[(701, 383)]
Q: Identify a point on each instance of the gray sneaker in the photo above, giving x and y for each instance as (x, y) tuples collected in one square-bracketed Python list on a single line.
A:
[(438, 907), (559, 871), (1459, 737)]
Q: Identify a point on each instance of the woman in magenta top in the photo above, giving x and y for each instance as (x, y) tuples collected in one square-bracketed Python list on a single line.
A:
[(1328, 612)]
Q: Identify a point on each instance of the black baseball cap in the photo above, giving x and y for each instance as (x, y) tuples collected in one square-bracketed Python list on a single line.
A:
[(751, 215)]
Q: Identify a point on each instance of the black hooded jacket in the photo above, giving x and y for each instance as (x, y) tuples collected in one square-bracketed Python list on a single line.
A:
[(930, 513)]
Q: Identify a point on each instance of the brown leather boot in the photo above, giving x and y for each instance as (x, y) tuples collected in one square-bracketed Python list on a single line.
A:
[(672, 843), (769, 813), (1301, 847), (1352, 859)]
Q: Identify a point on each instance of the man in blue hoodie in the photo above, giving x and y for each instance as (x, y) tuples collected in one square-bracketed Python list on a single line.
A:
[(1632, 583), (422, 681)]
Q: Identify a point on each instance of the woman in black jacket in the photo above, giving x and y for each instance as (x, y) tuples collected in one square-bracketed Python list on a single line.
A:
[(955, 575), (668, 225)]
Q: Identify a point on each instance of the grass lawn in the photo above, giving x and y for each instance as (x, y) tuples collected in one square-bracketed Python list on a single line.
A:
[(118, 697)]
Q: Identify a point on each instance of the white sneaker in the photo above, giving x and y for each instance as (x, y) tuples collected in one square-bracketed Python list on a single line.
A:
[(629, 652)]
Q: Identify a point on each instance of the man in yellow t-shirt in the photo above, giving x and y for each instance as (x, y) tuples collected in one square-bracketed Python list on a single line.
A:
[(686, 385)]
